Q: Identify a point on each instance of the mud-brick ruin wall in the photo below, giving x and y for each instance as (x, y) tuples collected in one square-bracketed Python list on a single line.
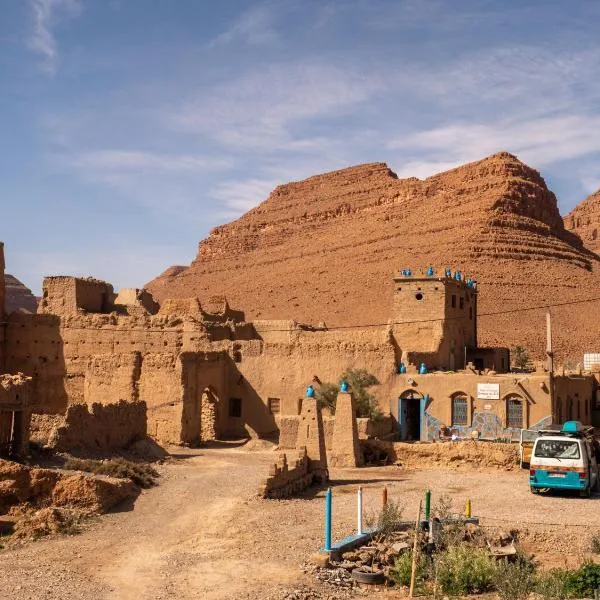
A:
[(65, 295), (103, 359), (100, 428), (434, 319), (2, 311), (290, 357)]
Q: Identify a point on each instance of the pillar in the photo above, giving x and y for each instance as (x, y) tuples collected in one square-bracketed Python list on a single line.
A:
[(346, 450), (312, 436)]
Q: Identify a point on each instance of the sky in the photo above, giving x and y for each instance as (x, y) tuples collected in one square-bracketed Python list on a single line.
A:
[(130, 128)]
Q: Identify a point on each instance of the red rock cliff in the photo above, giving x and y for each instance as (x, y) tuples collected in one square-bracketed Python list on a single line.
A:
[(325, 249)]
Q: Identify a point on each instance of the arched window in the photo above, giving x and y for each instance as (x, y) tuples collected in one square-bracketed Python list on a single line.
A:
[(459, 410), (514, 413)]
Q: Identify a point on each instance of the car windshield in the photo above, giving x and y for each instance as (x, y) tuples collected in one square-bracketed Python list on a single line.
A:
[(557, 449)]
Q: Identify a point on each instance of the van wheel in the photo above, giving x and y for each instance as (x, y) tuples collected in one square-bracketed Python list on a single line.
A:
[(534, 490), (586, 493)]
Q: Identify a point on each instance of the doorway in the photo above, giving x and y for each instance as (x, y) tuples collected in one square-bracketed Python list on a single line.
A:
[(410, 415)]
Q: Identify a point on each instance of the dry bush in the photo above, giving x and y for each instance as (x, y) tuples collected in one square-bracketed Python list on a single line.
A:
[(142, 474)]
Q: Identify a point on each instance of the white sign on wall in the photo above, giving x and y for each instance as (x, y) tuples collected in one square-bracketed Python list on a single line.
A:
[(488, 391)]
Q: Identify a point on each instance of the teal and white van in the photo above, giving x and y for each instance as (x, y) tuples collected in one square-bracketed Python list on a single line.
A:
[(565, 459)]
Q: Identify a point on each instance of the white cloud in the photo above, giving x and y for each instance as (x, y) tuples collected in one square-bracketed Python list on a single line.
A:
[(47, 14), (253, 27), (121, 161), (236, 197), (259, 110), (539, 142)]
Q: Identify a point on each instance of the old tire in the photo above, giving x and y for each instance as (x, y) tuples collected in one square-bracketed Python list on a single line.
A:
[(376, 578)]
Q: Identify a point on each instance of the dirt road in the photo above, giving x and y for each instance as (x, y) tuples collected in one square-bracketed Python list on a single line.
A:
[(203, 534)]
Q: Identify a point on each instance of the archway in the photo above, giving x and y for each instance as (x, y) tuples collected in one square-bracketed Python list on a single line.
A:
[(410, 415)]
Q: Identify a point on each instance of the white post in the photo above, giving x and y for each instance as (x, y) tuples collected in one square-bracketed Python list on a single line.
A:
[(359, 512)]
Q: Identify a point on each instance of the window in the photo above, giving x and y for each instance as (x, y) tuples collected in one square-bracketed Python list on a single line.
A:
[(274, 405), (459, 410), (470, 313), (235, 408), (557, 449), (453, 301), (461, 303), (419, 296), (514, 413)]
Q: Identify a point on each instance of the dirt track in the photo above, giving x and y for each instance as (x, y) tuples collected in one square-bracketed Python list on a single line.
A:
[(202, 534)]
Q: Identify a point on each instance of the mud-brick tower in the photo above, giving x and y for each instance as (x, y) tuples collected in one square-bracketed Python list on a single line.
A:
[(434, 318)]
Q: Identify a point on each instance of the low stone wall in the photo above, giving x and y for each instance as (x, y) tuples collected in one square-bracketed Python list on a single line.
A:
[(284, 482), (105, 428), (475, 455), (367, 429), (376, 428)]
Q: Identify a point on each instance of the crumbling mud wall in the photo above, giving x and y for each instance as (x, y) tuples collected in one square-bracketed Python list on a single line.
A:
[(101, 429), (2, 311), (112, 377), (284, 481)]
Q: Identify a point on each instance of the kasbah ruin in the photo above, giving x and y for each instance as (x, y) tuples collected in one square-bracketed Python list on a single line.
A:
[(239, 445)]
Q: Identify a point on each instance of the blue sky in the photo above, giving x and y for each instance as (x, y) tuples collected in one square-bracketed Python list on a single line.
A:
[(130, 128)]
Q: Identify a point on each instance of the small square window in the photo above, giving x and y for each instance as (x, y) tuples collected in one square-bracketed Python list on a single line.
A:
[(235, 408), (274, 406)]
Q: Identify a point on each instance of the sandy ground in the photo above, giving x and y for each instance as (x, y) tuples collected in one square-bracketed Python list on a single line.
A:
[(203, 533)]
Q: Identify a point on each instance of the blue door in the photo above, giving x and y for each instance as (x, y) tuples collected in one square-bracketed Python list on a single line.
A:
[(411, 409)]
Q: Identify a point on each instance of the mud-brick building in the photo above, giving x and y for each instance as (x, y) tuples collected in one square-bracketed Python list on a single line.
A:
[(190, 372), (15, 401)]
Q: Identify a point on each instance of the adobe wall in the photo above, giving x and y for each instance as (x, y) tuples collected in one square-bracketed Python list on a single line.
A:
[(290, 358), (100, 427), (63, 295), (574, 398), (112, 377), (2, 311), (487, 416)]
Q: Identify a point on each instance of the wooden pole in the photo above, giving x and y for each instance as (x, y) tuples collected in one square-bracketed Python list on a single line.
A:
[(413, 572)]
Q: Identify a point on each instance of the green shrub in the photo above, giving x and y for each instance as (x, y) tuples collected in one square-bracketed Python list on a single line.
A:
[(553, 585), (514, 581), (583, 582), (465, 570), (326, 395), (401, 572), (359, 380), (141, 474)]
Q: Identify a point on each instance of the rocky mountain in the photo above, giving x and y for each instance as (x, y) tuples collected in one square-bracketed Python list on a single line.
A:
[(18, 296), (325, 249), (584, 220)]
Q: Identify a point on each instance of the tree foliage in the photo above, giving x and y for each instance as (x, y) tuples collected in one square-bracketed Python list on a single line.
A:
[(520, 357), (359, 380), (326, 395)]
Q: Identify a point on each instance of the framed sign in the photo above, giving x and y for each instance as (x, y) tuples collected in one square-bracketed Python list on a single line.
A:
[(488, 391)]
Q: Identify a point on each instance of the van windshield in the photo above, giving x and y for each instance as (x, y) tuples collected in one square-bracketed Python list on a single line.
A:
[(557, 449)]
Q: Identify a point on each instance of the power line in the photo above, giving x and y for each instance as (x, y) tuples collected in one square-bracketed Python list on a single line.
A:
[(348, 327)]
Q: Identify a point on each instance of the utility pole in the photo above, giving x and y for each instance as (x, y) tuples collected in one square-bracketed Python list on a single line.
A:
[(550, 363)]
